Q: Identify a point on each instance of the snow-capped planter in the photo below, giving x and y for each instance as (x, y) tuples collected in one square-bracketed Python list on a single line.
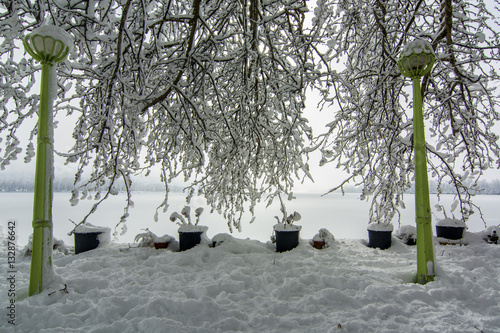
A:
[(190, 234), (407, 234), (150, 239), (89, 237), (380, 235), (286, 234), (450, 228), (323, 239)]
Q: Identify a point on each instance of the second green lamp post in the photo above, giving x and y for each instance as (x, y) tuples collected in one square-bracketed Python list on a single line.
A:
[(415, 61)]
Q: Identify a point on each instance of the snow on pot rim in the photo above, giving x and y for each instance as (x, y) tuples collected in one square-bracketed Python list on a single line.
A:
[(286, 227), (192, 228), (375, 226), (163, 239), (88, 228), (454, 223), (89, 237)]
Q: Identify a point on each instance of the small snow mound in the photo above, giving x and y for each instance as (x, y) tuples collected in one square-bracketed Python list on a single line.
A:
[(407, 234), (324, 235), (490, 234), (57, 245), (221, 238), (406, 230)]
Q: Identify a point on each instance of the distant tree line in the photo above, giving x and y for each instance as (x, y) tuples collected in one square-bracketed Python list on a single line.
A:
[(483, 187), (21, 183)]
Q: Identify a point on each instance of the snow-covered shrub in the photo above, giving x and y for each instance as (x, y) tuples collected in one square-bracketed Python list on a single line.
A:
[(407, 234), (149, 238), (325, 236)]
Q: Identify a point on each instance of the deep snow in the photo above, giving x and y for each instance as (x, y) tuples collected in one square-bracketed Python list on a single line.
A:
[(245, 286)]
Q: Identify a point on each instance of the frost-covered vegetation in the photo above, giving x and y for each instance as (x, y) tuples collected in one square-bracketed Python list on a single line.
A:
[(213, 92), (23, 183), (370, 134)]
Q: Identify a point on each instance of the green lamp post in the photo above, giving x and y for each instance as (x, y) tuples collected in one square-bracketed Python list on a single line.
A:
[(48, 45), (415, 61)]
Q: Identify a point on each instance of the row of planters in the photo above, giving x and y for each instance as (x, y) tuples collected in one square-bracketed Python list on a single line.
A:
[(89, 237), (380, 234), (285, 234), (286, 239), (448, 231)]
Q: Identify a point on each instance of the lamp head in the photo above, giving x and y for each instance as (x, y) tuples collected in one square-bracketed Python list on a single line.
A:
[(416, 59), (48, 44)]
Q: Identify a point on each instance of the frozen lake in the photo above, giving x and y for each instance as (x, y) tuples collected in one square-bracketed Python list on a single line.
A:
[(345, 216)]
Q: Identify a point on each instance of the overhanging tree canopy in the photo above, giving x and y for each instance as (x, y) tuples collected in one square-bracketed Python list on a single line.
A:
[(214, 90), (211, 90), (370, 134)]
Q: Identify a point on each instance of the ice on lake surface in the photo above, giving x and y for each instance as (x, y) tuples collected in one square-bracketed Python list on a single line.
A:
[(344, 216)]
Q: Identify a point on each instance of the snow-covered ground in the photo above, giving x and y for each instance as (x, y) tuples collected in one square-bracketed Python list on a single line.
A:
[(245, 286)]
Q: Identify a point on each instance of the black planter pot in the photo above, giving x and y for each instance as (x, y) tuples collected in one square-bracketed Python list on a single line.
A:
[(86, 241), (379, 239), (188, 240), (449, 232), (286, 240)]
